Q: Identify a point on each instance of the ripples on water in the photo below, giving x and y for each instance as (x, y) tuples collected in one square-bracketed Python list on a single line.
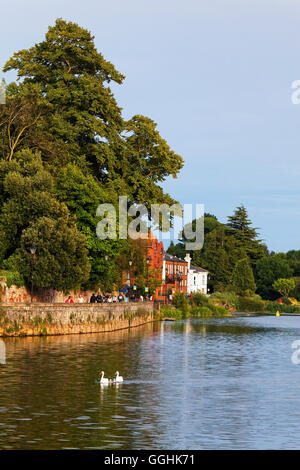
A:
[(202, 384)]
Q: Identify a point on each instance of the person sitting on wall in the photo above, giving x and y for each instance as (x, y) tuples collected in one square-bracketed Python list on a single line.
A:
[(99, 299), (114, 299), (93, 299), (80, 299), (69, 300), (120, 297)]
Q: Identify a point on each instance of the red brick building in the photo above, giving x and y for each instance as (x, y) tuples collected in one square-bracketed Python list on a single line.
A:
[(155, 259), (168, 273), (174, 277)]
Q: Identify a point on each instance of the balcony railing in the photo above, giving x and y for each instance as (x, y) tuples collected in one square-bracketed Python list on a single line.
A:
[(171, 278)]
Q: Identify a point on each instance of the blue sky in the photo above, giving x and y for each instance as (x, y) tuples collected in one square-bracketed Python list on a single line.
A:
[(216, 76)]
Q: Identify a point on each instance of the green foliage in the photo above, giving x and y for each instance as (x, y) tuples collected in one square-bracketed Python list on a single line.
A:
[(201, 311), (65, 149), (10, 272), (227, 299), (219, 310), (284, 286), (274, 307), (242, 278), (85, 120), (268, 270), (32, 215), (246, 236), (203, 305), (61, 260), (225, 245), (83, 194), (177, 250), (239, 303), (250, 304), (296, 291), (12, 278), (180, 301), (293, 258), (200, 300), (208, 310), (167, 311)]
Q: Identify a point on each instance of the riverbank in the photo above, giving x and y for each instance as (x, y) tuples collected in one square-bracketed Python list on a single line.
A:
[(61, 319), (222, 304)]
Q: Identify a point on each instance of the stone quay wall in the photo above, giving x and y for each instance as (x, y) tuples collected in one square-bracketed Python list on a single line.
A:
[(60, 319)]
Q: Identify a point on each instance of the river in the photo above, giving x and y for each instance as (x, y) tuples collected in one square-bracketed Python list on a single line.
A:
[(225, 383)]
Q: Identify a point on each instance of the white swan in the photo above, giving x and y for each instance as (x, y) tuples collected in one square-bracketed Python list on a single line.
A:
[(104, 380), (118, 378)]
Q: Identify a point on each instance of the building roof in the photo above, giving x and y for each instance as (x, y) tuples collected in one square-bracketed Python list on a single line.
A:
[(198, 269), (169, 257)]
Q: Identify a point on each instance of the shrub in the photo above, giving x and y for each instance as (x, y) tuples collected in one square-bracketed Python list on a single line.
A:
[(284, 286), (200, 300), (167, 311), (226, 298), (274, 307), (219, 310), (250, 304), (181, 302), (201, 312), (12, 278)]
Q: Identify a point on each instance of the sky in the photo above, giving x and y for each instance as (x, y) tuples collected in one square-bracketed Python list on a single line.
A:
[(216, 77)]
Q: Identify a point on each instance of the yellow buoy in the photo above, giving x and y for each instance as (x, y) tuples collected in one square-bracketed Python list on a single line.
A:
[(277, 314)]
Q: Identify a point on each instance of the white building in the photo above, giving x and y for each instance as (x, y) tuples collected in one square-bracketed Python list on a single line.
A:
[(197, 277)]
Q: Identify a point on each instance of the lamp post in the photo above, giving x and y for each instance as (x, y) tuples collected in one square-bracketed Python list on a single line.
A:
[(32, 251), (106, 256), (130, 264)]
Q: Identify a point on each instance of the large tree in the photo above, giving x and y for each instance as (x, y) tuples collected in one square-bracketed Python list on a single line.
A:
[(31, 214), (72, 76), (64, 108), (268, 270), (242, 278), (241, 228), (284, 286)]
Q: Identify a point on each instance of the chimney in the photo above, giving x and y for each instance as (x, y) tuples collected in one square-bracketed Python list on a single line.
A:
[(188, 260)]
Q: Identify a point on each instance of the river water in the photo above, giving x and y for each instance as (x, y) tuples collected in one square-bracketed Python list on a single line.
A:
[(198, 384)]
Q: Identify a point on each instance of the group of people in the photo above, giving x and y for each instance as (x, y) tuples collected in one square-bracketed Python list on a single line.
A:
[(69, 300), (108, 298), (105, 299)]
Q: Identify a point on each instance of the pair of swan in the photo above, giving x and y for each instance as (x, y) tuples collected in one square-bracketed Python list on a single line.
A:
[(117, 379)]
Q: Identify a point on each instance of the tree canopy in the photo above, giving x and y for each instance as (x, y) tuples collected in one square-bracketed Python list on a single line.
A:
[(65, 148), (284, 286), (242, 278)]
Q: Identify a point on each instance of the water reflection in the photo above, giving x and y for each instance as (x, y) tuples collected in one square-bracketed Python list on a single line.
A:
[(212, 383)]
